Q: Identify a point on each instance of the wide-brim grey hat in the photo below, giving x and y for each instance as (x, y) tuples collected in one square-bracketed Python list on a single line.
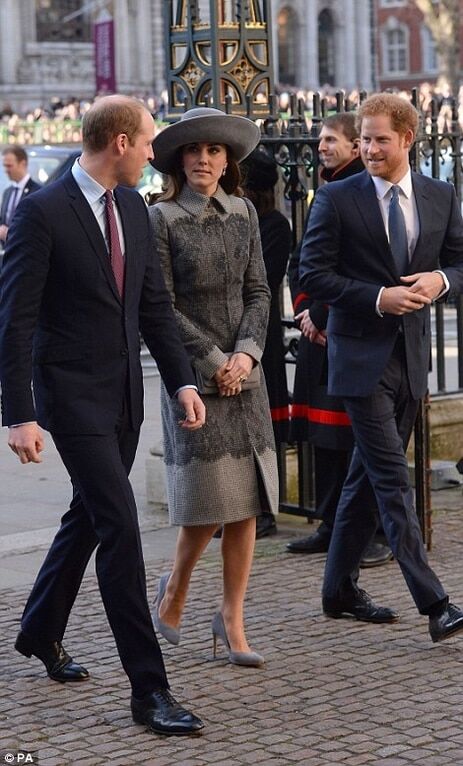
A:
[(204, 124)]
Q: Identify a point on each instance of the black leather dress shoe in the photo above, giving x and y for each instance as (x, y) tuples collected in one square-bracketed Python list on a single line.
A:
[(60, 666), (313, 544), (265, 525), (360, 606), (376, 555), (447, 624), (161, 713)]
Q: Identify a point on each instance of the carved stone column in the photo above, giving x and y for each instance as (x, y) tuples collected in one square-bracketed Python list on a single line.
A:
[(10, 40), (363, 47), (144, 50), (122, 45), (157, 32), (308, 13), (346, 70)]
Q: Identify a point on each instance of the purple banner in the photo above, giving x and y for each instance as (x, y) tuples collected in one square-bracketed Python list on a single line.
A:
[(105, 69)]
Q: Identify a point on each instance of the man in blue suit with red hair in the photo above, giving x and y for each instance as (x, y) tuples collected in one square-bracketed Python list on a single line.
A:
[(380, 247)]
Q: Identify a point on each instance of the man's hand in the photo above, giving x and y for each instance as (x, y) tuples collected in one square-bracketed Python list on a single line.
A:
[(428, 283), (3, 232), (27, 442), (195, 411), (402, 300), (309, 330), (234, 372)]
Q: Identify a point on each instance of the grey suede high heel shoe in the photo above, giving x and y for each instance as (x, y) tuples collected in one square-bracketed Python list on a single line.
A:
[(172, 635), (249, 659)]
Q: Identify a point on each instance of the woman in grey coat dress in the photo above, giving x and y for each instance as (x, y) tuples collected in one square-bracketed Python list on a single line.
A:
[(226, 474)]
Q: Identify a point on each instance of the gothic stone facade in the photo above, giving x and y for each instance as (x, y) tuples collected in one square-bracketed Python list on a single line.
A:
[(42, 58), (316, 42)]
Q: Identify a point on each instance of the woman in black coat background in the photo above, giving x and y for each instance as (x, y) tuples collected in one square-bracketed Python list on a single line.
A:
[(260, 177)]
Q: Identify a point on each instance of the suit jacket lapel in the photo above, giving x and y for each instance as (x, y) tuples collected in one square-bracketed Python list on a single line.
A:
[(26, 189), (368, 205), (90, 226), (5, 201), (425, 210)]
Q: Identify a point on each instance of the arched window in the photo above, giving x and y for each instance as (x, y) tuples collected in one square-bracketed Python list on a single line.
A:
[(394, 40), (326, 64), (287, 46), (51, 27), (429, 52)]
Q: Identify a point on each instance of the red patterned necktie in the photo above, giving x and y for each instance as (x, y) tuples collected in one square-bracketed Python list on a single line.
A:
[(117, 259)]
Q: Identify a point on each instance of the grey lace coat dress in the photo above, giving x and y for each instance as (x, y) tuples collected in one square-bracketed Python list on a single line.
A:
[(212, 262)]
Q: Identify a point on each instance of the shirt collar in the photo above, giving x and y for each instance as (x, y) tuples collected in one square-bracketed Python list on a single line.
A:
[(382, 186), (22, 183), (195, 203), (91, 189)]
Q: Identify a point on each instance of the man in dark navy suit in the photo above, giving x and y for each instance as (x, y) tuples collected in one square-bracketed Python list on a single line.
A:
[(15, 166), (80, 280), (317, 417), (379, 248)]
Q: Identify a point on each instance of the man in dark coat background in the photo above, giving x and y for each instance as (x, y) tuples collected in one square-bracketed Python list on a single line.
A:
[(379, 248), (80, 280), (317, 417), (15, 163)]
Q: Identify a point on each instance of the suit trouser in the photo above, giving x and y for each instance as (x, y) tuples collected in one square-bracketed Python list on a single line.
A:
[(330, 472), (102, 515), (331, 468), (382, 424)]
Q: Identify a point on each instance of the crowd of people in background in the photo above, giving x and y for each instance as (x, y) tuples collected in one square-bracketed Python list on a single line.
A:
[(73, 109), (59, 120)]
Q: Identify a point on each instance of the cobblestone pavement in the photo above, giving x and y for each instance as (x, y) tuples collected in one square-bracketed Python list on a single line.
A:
[(332, 692)]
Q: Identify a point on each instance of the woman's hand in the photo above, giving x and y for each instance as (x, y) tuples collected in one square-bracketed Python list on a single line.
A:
[(233, 373)]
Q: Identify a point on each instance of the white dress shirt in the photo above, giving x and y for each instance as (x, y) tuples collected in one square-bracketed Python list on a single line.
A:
[(407, 204), (94, 194), (22, 183)]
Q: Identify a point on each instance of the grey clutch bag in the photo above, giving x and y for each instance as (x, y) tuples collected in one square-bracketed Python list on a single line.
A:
[(208, 386)]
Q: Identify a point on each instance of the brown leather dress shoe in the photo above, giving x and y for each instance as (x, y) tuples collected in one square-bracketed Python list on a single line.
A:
[(360, 606), (60, 666), (447, 624), (162, 714)]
